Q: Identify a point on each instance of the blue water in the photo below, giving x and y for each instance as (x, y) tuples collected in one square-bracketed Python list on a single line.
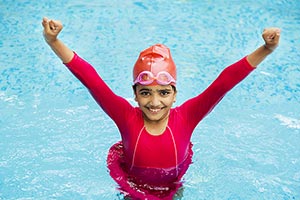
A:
[(54, 138)]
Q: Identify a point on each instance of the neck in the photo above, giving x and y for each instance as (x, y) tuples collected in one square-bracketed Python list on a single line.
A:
[(156, 127)]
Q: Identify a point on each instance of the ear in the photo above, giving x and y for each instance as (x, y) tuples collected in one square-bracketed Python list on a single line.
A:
[(134, 92), (175, 95)]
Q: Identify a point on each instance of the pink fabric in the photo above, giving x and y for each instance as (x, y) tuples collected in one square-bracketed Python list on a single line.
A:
[(133, 187), (154, 160)]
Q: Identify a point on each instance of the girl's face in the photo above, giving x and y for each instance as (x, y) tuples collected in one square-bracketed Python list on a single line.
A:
[(155, 101)]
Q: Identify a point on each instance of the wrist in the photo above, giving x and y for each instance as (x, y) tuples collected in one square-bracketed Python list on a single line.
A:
[(270, 48), (51, 41)]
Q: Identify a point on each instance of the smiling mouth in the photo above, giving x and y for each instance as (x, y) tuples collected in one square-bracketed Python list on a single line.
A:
[(155, 110)]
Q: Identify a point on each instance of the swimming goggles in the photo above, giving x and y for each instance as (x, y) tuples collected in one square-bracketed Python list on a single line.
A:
[(147, 77)]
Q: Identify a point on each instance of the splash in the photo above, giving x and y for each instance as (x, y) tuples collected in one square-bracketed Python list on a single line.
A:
[(288, 121)]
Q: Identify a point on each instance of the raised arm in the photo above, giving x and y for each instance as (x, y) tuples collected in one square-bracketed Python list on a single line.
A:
[(197, 108), (88, 76), (271, 37), (51, 30)]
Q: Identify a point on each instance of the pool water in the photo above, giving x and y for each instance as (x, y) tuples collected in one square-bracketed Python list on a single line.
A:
[(54, 138)]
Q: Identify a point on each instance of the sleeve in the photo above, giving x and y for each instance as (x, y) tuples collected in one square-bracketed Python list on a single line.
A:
[(195, 109), (115, 106)]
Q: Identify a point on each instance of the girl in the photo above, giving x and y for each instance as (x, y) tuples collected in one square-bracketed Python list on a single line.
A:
[(155, 150)]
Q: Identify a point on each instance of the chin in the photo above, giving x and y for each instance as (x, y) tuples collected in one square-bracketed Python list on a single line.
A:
[(155, 118)]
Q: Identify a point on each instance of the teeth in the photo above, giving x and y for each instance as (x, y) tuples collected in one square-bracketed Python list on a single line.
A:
[(154, 110)]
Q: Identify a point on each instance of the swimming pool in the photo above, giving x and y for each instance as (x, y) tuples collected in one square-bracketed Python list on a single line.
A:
[(54, 138)]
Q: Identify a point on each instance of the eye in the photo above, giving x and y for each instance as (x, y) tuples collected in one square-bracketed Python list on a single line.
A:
[(145, 93), (164, 93)]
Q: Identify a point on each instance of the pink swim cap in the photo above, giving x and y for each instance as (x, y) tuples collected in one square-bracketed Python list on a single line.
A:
[(155, 59)]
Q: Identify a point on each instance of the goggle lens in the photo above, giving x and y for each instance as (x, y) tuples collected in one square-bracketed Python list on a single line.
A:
[(147, 77)]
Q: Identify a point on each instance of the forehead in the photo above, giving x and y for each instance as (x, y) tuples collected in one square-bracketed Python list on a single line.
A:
[(154, 87)]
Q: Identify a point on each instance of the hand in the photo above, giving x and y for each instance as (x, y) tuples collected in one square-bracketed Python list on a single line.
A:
[(271, 37), (51, 29)]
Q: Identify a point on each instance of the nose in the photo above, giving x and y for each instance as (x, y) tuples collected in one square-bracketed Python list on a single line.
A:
[(155, 100)]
